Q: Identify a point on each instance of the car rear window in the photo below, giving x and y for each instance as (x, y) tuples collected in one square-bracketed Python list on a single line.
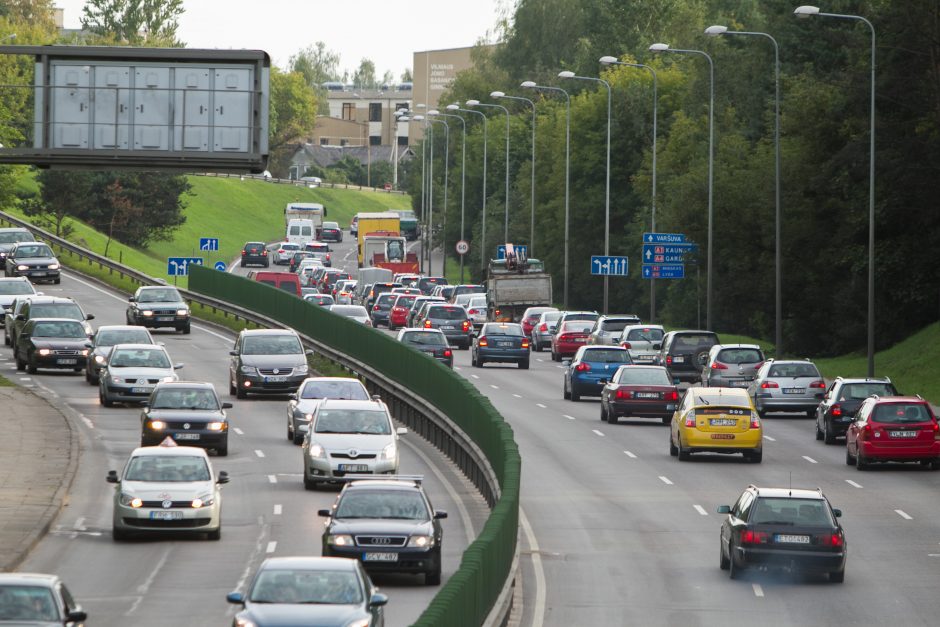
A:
[(861, 391), (645, 335), (424, 338), (581, 316), (447, 313), (386, 299), (694, 341), (577, 326), (614, 325), (606, 356), (740, 356), (352, 311), (504, 329), (643, 376), (790, 511), (405, 301), (794, 370), (901, 413)]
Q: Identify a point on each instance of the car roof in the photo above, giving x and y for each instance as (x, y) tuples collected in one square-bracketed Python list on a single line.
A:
[(44, 300), (896, 400), (45, 319), (186, 385), (31, 579), (384, 484), (144, 288), (724, 346), (619, 317), (120, 327), (169, 451), (268, 331), (138, 345), (349, 404), (640, 325), (606, 347), (309, 563), (863, 380), (796, 493), (733, 394), (12, 279)]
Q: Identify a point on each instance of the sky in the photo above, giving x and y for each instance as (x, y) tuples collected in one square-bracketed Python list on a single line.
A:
[(385, 31)]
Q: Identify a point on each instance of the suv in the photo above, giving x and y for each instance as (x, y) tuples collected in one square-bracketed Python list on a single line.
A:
[(683, 353), (893, 429), (389, 525), (29, 307), (837, 409), (783, 527), (787, 386), (607, 329), (158, 306), (450, 319), (269, 361), (34, 260), (255, 253), (732, 365)]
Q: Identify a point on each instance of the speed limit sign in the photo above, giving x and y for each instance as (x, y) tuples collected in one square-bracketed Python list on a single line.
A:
[(462, 247)]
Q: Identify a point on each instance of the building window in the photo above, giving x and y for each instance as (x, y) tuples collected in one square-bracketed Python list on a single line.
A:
[(375, 111), (375, 140), (402, 140), (343, 142), (324, 141), (349, 111)]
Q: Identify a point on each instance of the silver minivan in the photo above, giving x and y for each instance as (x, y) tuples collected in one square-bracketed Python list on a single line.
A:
[(642, 340), (791, 386), (732, 365)]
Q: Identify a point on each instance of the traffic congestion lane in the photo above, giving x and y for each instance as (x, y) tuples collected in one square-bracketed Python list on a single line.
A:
[(265, 511)]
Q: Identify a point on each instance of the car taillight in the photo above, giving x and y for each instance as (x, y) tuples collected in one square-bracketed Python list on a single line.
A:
[(625, 345), (671, 396), (690, 419), (564, 337), (818, 384), (755, 421), (472, 312), (244, 252), (447, 353), (582, 367), (754, 537), (834, 540), (668, 360), (758, 365), (280, 251), (624, 394), (836, 410), (769, 384), (327, 256), (719, 366), (427, 324), (543, 327), (375, 308), (867, 428), (483, 342), (465, 325), (264, 253), (496, 313), (525, 344)]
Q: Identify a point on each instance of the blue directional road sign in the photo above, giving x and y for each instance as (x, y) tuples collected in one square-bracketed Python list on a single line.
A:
[(220, 266), (609, 265), (663, 238), (663, 271), (521, 250), (667, 253), (179, 266), (208, 243)]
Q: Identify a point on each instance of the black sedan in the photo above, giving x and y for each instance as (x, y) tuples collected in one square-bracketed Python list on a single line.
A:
[(785, 528), (500, 342), (331, 232), (389, 525), (188, 412), (432, 342), (52, 343), (639, 391), (255, 254), (325, 591), (34, 260), (155, 306)]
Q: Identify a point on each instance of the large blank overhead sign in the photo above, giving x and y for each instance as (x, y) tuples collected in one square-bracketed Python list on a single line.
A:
[(146, 108)]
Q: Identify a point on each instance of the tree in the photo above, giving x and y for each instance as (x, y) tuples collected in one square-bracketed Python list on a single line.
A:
[(364, 78), (406, 75), (388, 78), (134, 22), (316, 64), (293, 115)]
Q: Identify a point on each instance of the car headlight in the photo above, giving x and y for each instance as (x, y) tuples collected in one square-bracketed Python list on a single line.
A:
[(116, 379), (99, 359), (84, 352), (182, 312), (206, 500), (146, 312), (45, 351), (129, 500), (307, 417), (156, 425), (249, 369), (390, 452), (316, 451), (421, 542), (22, 267), (301, 369), (340, 539), (359, 622), (244, 622), (216, 426), (53, 266)]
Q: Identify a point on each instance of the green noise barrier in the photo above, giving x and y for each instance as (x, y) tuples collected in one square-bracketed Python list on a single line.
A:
[(470, 593)]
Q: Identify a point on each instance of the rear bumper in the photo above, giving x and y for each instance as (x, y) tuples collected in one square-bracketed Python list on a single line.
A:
[(769, 403), (690, 375), (806, 561), (875, 452), (508, 355), (750, 440), (654, 409)]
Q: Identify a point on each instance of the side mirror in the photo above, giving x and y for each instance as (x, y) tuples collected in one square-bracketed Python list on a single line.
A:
[(293, 396), (161, 344), (325, 513), (227, 405), (308, 352), (401, 431), (378, 599), (837, 513), (132, 300), (90, 317), (235, 597), (233, 353), (89, 345), (178, 366), (20, 317), (223, 477), (724, 509), (76, 616), (566, 363), (376, 397), (113, 477), (439, 513), (304, 428)]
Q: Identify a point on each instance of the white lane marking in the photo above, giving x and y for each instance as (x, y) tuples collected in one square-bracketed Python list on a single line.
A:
[(278, 509), (538, 611), (539, 359), (810, 459), (597, 432), (451, 491), (259, 453), (272, 479), (769, 439), (629, 454), (239, 431), (665, 480), (495, 387), (758, 591), (234, 265), (87, 421), (562, 367), (25, 379), (144, 587), (700, 510), (79, 524), (475, 376), (903, 514), (272, 546), (540, 405), (568, 417), (852, 483), (255, 552), (517, 395)]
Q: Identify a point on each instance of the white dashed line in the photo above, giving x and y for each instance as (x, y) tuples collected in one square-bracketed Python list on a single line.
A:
[(629, 454), (852, 483), (87, 421), (700, 510), (568, 417), (517, 395), (457, 368), (903, 514), (769, 439), (272, 479), (758, 591), (540, 360), (239, 431), (495, 387), (540, 405), (810, 459), (25, 379), (272, 546), (597, 432), (665, 480), (259, 453), (475, 376), (278, 509)]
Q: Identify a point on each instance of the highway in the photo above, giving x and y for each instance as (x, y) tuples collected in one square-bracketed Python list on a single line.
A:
[(266, 511), (615, 531)]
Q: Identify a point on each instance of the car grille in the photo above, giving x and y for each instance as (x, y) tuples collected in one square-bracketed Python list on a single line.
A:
[(173, 504), (142, 381), (164, 312), (281, 372), (381, 540), (184, 523), (66, 351), (347, 456), (193, 426)]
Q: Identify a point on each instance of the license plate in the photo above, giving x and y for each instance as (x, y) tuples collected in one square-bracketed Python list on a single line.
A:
[(794, 390), (508, 344), (380, 557), (34, 273), (186, 436), (164, 515), (275, 379), (354, 467), (139, 390), (792, 539), (723, 422), (740, 383), (646, 395), (164, 318), (678, 359), (671, 407), (66, 362), (447, 327), (902, 434), (722, 436), (643, 358)]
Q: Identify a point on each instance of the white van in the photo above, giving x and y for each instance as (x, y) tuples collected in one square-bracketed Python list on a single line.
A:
[(300, 232)]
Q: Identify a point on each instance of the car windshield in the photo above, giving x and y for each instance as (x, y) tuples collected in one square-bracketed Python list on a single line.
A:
[(163, 468), (11, 237), (424, 338), (504, 329), (24, 603), (645, 335), (56, 310), (110, 337), (740, 356), (139, 358), (691, 342), (353, 421), (901, 413), (606, 356), (790, 511), (861, 391), (551, 316), (349, 390), (396, 504), (59, 329), (319, 299), (163, 295), (288, 246), (271, 345), (16, 287), (447, 313), (31, 251), (793, 370), (320, 587), (643, 376), (350, 311), (184, 398), (478, 301)]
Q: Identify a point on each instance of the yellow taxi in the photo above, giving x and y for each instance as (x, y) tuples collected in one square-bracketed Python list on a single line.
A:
[(716, 420)]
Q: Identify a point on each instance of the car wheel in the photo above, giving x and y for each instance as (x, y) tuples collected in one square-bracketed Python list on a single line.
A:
[(107, 402), (118, 535), (186, 329), (612, 417), (849, 460), (837, 576), (215, 534), (666, 420), (603, 413), (819, 432), (433, 578), (31, 367), (860, 463), (232, 390), (57, 281), (682, 454), (298, 438), (762, 413), (555, 357), (290, 431), (524, 364), (309, 484), (723, 562), (565, 394), (222, 450), (734, 571), (20, 364), (673, 450), (6, 338), (574, 395), (240, 392), (755, 457), (828, 436)]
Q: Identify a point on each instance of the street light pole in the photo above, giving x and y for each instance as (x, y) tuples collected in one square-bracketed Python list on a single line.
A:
[(483, 227), (807, 11), (532, 188), (567, 74), (463, 171), (533, 85), (715, 31), (436, 113), (613, 61), (711, 171), (506, 111)]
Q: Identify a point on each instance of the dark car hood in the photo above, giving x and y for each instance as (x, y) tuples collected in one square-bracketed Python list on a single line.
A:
[(60, 342), (35, 261), (274, 361), (188, 415), (298, 615), (379, 526), (162, 305)]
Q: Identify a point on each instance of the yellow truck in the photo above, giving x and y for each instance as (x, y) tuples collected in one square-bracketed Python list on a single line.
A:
[(386, 223)]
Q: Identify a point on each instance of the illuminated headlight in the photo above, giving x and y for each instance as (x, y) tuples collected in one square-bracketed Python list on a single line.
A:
[(99, 359), (216, 426), (157, 425), (360, 622), (182, 312), (307, 417), (53, 266), (84, 352), (340, 540), (301, 369), (146, 313), (421, 542), (390, 452), (130, 501), (169, 379), (316, 451), (22, 267), (45, 351), (117, 380), (249, 369), (244, 622), (203, 501)]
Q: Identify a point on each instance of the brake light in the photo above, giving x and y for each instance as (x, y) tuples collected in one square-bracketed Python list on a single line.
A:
[(754, 537), (755, 421), (264, 253), (719, 366), (625, 345), (836, 410), (668, 360), (496, 312), (427, 324), (818, 384), (472, 312), (447, 353), (543, 327), (327, 256), (671, 396), (525, 343), (830, 539), (758, 365), (582, 367), (244, 252), (624, 394), (483, 342), (280, 251), (867, 428), (466, 325), (690, 419), (769, 384)]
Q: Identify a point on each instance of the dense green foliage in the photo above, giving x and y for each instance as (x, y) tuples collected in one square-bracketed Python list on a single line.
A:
[(825, 158)]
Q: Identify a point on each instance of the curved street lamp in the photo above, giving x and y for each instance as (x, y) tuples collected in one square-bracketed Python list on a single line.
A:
[(499, 94), (433, 114), (506, 111), (483, 254)]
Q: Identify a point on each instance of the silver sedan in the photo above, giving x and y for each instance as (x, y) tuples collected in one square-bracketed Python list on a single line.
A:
[(132, 371)]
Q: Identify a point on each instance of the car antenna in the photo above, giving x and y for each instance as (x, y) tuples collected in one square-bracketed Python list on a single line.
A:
[(790, 493)]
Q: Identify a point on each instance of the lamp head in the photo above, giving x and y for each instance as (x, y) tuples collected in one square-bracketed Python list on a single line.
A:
[(527, 84), (497, 94), (472, 103), (453, 107), (716, 30), (421, 105), (806, 11), (566, 74), (434, 112), (404, 118), (418, 118), (659, 48), (608, 60)]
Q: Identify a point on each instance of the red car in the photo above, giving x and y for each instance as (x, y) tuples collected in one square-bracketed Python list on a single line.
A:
[(893, 429), (398, 315), (639, 391), (569, 337), (531, 316)]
